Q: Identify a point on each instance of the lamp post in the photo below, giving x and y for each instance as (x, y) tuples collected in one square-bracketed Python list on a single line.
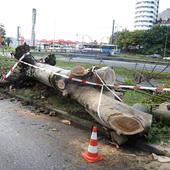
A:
[(117, 29), (166, 42)]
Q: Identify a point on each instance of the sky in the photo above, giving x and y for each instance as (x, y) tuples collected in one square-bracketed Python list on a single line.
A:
[(79, 20)]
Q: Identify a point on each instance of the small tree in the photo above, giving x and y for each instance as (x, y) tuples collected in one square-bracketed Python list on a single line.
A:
[(154, 40), (2, 35), (8, 41)]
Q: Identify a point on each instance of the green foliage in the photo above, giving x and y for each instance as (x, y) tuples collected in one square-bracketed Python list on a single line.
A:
[(2, 31), (151, 41), (8, 41), (157, 98), (167, 85), (130, 82), (132, 97), (159, 133), (5, 65)]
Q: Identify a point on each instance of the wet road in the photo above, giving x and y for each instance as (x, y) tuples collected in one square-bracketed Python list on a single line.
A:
[(41, 142)]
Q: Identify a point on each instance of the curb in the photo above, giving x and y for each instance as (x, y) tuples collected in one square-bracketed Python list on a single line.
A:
[(75, 121)]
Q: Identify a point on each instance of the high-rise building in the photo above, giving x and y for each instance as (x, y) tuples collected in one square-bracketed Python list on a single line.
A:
[(164, 17), (146, 14)]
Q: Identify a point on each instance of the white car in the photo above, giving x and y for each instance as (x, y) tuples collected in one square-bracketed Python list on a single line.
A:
[(166, 58)]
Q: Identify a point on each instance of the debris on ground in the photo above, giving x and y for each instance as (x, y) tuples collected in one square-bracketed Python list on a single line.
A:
[(162, 159), (67, 122)]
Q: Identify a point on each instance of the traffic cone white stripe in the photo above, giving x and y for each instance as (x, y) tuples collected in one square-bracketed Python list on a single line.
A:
[(94, 136), (92, 149)]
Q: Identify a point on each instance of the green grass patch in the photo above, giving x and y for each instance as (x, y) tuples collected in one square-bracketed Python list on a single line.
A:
[(159, 133), (5, 64), (69, 65), (132, 96), (139, 57)]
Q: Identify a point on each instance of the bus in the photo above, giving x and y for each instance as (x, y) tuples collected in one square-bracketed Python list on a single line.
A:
[(108, 49)]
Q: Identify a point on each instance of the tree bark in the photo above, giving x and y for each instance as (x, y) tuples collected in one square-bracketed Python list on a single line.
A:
[(112, 114), (162, 115)]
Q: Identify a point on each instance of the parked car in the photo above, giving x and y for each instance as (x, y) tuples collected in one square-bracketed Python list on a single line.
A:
[(154, 56), (166, 58)]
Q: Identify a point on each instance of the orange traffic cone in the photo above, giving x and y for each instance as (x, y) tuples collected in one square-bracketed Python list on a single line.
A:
[(92, 155)]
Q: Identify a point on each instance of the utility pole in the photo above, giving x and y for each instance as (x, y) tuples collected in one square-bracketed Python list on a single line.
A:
[(18, 34), (113, 30), (166, 41), (33, 26)]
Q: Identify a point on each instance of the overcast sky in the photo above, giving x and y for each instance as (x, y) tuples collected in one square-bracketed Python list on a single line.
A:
[(69, 19)]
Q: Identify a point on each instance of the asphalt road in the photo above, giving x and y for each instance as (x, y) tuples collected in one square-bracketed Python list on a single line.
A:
[(116, 63), (32, 142), (122, 64), (40, 142)]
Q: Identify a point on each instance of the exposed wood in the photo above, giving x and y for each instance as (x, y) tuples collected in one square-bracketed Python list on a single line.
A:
[(61, 84), (107, 74), (78, 71), (113, 114), (119, 139)]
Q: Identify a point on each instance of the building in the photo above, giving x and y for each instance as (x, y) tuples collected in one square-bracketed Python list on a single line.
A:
[(164, 17), (146, 14)]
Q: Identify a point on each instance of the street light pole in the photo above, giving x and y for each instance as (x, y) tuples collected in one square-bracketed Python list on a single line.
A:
[(113, 27), (166, 42)]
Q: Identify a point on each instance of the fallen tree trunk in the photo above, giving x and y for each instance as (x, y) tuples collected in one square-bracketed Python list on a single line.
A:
[(112, 114), (162, 115)]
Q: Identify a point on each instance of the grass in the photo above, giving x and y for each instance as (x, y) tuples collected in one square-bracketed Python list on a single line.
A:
[(5, 64), (132, 96), (64, 64), (159, 133), (139, 57)]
